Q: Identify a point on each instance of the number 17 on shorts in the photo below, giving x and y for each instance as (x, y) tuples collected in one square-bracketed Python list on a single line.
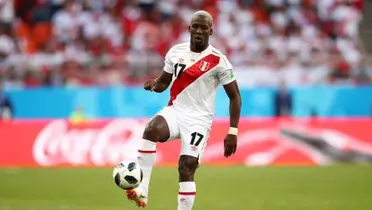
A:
[(194, 139)]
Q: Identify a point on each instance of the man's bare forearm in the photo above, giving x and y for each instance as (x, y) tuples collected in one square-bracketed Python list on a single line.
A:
[(162, 82), (160, 87), (235, 108)]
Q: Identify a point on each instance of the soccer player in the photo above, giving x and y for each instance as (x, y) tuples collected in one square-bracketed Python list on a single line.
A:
[(196, 69)]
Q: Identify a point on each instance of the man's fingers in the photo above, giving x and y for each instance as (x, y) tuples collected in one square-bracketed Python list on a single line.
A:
[(229, 150), (233, 149)]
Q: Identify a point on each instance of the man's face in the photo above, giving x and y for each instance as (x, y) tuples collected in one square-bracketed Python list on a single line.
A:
[(200, 30)]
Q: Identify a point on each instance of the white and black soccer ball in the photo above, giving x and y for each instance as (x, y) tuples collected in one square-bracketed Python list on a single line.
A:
[(127, 175)]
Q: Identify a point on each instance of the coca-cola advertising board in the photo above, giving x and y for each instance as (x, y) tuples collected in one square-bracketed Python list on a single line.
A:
[(279, 141)]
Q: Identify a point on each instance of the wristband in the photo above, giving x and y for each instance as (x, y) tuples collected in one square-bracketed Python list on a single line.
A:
[(233, 131)]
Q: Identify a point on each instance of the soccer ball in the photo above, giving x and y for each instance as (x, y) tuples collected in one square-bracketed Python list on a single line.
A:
[(127, 175)]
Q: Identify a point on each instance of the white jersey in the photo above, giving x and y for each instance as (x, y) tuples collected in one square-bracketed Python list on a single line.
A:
[(196, 77)]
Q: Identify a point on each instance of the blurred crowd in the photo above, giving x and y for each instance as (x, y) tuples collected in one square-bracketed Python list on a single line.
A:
[(108, 42)]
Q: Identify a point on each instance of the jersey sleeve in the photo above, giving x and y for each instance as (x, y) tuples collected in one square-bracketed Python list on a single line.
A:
[(225, 74), (168, 66)]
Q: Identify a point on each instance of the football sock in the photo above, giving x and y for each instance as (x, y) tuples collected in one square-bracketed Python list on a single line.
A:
[(146, 159), (186, 195)]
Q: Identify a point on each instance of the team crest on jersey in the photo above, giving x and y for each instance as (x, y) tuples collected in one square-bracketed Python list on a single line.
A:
[(204, 65)]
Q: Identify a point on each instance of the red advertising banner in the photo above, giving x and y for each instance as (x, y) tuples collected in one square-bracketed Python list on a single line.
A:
[(260, 142)]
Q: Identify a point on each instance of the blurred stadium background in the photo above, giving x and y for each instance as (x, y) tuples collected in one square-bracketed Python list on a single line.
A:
[(71, 75)]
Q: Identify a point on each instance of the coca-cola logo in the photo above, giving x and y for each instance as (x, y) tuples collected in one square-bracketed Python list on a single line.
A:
[(58, 144)]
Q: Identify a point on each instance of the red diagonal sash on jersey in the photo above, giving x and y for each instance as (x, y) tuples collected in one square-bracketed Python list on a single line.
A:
[(191, 74)]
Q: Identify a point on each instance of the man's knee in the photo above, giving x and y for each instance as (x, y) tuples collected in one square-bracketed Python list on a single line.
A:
[(187, 166), (156, 130), (152, 132)]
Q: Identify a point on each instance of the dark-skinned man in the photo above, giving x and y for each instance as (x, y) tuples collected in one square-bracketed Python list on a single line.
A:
[(195, 69)]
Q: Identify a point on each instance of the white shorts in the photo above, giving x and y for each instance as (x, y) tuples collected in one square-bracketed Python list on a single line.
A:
[(193, 136)]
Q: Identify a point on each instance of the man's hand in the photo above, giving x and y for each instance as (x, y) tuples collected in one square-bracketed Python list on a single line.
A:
[(230, 144), (150, 85)]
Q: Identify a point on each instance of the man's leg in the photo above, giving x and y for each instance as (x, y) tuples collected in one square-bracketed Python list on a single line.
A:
[(187, 187), (156, 131), (194, 140)]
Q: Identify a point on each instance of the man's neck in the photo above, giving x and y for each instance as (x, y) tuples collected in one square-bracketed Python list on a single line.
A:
[(198, 50)]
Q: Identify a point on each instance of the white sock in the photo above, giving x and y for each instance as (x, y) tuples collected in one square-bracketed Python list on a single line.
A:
[(146, 159), (186, 195)]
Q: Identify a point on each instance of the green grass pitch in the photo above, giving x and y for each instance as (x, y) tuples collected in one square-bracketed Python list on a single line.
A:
[(232, 188)]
